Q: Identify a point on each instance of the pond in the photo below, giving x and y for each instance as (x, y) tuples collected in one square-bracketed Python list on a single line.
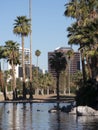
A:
[(35, 116)]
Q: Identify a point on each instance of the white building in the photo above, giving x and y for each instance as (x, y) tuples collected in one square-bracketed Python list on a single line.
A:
[(27, 61)]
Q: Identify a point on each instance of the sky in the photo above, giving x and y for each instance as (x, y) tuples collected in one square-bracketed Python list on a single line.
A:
[(49, 26)]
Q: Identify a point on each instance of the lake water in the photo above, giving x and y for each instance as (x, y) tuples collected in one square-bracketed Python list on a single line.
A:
[(35, 116)]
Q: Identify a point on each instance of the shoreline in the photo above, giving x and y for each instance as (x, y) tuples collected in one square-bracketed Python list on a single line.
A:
[(41, 99)]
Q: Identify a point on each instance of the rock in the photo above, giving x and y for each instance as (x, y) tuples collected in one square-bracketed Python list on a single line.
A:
[(54, 110), (84, 111)]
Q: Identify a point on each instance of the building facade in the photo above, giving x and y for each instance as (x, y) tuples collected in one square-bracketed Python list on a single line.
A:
[(74, 62), (26, 61)]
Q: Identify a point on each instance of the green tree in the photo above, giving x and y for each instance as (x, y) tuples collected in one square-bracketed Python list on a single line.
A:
[(85, 12), (37, 53), (22, 28), (50, 83), (58, 63), (84, 32), (77, 79), (12, 55), (30, 15), (2, 50)]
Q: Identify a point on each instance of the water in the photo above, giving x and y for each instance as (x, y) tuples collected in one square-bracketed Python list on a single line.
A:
[(35, 116)]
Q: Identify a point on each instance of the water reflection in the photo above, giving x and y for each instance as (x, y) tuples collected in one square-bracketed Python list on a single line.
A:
[(36, 117)]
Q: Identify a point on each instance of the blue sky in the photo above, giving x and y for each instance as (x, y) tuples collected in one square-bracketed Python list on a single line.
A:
[(49, 25)]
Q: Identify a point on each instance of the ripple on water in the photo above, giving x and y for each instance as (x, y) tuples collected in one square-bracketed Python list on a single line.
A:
[(35, 116)]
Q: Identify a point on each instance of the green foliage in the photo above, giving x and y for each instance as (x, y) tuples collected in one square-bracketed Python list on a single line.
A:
[(12, 52), (37, 53), (87, 94), (22, 26), (41, 80), (58, 62)]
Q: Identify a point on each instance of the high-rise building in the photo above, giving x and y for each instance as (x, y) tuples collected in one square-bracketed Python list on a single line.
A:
[(74, 63)]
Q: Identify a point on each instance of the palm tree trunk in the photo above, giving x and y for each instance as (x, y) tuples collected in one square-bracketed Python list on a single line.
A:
[(89, 68), (69, 78), (3, 86), (23, 67), (31, 97), (4, 93), (14, 82), (48, 91), (83, 66), (57, 89)]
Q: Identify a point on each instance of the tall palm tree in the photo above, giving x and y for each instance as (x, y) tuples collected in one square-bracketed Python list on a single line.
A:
[(37, 53), (12, 55), (87, 37), (81, 10), (58, 63), (84, 12), (30, 15), (22, 28)]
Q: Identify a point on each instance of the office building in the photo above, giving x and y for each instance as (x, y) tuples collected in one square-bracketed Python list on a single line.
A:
[(74, 63)]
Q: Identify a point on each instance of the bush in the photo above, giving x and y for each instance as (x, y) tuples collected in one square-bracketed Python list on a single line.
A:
[(87, 94)]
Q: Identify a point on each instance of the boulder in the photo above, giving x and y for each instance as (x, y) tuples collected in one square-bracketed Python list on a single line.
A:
[(53, 110), (84, 111)]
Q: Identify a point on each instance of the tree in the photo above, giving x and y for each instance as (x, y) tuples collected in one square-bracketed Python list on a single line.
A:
[(37, 53), (49, 81), (82, 32), (22, 28), (30, 15), (2, 73), (64, 81), (12, 55), (46, 82), (58, 63)]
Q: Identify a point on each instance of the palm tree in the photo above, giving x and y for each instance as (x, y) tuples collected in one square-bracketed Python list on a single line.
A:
[(6, 78), (22, 28), (2, 73), (87, 37), (49, 81), (12, 55), (58, 63), (82, 10), (37, 53), (85, 12), (30, 15)]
